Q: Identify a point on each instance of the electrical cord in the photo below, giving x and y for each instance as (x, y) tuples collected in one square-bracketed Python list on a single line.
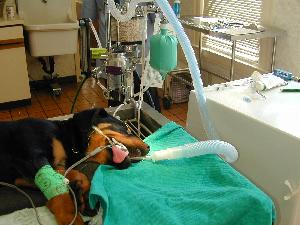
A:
[(33, 205), (77, 93), (27, 196), (94, 152)]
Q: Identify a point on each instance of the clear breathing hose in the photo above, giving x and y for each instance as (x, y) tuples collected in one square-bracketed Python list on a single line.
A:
[(223, 149), (193, 66)]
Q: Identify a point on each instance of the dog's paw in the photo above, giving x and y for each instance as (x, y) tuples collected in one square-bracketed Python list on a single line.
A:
[(79, 195), (80, 179), (80, 185)]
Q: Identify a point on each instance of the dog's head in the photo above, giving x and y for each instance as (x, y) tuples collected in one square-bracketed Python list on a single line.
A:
[(88, 140), (114, 129)]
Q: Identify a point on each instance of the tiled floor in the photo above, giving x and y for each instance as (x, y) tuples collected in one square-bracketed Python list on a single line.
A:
[(45, 105)]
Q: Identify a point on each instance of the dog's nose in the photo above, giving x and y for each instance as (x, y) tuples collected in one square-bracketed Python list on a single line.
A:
[(147, 148)]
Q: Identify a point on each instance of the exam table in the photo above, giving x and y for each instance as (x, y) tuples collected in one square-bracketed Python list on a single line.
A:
[(213, 199)]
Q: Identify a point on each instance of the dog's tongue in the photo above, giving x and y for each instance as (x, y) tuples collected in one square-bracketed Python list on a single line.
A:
[(118, 154)]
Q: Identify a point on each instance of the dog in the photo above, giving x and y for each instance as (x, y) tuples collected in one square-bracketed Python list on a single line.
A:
[(29, 144)]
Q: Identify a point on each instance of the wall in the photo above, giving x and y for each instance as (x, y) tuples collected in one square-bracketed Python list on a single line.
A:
[(285, 15), (276, 14)]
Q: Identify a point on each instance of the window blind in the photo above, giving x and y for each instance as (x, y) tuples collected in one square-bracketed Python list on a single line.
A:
[(240, 10)]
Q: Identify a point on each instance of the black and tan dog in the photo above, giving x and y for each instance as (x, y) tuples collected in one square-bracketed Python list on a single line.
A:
[(27, 145)]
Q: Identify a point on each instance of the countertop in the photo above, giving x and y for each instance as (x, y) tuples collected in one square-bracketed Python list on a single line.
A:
[(237, 31), (279, 110), (16, 21)]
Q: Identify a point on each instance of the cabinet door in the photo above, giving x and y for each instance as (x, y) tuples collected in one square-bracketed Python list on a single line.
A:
[(14, 82)]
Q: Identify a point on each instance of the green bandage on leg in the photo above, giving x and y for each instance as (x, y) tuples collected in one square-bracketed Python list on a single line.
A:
[(50, 182)]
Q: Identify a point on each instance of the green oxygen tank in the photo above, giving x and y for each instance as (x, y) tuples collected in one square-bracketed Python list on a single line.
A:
[(163, 51)]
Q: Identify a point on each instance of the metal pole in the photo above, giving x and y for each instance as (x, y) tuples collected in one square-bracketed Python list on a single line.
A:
[(232, 59), (273, 54), (108, 27), (199, 52)]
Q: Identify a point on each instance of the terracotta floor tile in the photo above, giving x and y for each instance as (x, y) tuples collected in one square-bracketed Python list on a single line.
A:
[(83, 104), (19, 117), (19, 112), (44, 97), (82, 100), (4, 113), (64, 105), (181, 116), (6, 119), (33, 109), (48, 102), (181, 123), (40, 115), (53, 113), (45, 105), (81, 108), (50, 107), (166, 112), (62, 100), (178, 110), (65, 110), (98, 104), (173, 117)]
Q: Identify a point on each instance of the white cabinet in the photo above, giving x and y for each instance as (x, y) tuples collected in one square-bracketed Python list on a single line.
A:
[(14, 82), (266, 133)]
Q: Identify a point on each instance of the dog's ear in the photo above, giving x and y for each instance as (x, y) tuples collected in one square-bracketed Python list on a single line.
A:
[(85, 119), (82, 123), (101, 113)]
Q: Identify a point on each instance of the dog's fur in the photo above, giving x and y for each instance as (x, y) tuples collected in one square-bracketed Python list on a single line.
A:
[(28, 144)]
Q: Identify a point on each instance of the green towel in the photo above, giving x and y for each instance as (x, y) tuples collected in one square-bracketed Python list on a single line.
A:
[(202, 190)]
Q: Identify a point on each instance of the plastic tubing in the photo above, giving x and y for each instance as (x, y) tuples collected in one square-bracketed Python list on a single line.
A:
[(193, 66), (224, 149), (95, 34)]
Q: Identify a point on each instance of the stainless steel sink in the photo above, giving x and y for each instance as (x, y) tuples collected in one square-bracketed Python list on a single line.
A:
[(151, 120)]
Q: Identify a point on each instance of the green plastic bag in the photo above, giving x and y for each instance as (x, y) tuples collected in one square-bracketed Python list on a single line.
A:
[(163, 52)]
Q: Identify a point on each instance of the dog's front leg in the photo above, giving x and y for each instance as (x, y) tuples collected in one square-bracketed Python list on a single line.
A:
[(80, 185), (62, 206), (55, 189)]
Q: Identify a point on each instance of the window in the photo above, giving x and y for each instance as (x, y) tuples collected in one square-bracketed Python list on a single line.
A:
[(240, 10)]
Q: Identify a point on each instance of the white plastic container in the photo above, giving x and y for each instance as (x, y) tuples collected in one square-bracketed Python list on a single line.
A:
[(50, 26), (52, 39)]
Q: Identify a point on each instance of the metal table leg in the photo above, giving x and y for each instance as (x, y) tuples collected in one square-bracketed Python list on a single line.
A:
[(199, 52), (273, 54), (232, 59)]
